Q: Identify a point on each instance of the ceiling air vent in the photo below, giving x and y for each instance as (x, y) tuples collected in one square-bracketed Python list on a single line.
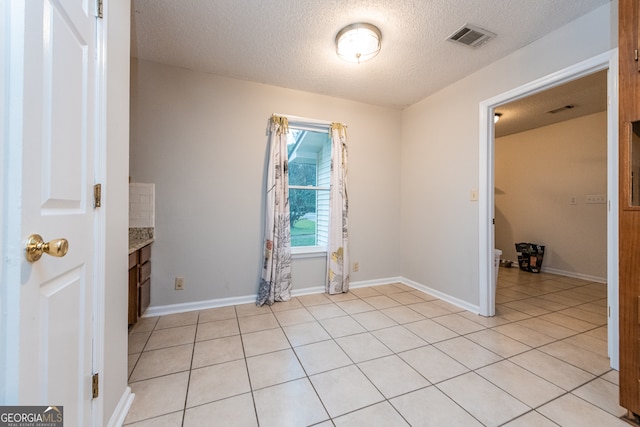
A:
[(470, 35), (557, 110)]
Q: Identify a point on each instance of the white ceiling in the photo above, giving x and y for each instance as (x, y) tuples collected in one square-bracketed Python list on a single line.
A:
[(290, 43)]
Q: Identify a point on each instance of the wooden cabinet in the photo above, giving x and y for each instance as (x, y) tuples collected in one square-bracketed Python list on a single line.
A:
[(629, 221), (139, 283)]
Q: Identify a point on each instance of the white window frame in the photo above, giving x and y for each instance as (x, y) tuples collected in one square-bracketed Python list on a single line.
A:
[(310, 125)]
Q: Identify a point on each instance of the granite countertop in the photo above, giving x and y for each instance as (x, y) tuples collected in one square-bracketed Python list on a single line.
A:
[(135, 244), (139, 238)]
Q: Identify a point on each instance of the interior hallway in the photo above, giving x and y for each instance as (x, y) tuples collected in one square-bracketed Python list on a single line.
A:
[(386, 355)]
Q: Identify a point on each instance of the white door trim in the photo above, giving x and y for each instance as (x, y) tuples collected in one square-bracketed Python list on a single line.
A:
[(607, 60), (100, 223), (12, 81)]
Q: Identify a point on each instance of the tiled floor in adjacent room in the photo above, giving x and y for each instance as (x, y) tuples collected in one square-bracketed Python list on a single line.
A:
[(382, 356)]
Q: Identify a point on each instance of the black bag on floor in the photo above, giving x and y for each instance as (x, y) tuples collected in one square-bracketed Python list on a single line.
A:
[(530, 256)]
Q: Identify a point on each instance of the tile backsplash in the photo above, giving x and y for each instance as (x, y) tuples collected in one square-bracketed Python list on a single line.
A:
[(141, 205)]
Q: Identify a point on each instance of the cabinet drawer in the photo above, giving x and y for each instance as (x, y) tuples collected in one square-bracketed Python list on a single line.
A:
[(145, 254), (144, 296), (133, 259), (145, 271)]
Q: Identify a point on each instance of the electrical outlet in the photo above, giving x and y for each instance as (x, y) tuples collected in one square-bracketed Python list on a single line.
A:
[(595, 199), (179, 283), (356, 266), (573, 200)]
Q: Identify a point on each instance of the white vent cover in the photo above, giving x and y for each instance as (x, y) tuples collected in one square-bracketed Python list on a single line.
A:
[(470, 35)]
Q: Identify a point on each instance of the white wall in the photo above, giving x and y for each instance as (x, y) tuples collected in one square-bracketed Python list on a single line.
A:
[(439, 154), (113, 379), (201, 139), (536, 174)]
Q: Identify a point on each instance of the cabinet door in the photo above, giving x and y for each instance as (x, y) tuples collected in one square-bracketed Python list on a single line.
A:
[(133, 296), (144, 296), (144, 279)]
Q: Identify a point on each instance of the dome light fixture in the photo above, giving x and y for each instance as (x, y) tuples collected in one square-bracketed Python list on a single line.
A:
[(358, 42)]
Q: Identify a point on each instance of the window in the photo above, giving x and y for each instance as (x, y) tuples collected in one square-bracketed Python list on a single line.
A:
[(309, 154)]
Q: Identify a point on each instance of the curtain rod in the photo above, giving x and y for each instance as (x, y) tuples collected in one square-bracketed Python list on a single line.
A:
[(305, 120)]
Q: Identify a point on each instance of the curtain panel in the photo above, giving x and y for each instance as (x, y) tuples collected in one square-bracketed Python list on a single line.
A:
[(338, 244), (275, 283)]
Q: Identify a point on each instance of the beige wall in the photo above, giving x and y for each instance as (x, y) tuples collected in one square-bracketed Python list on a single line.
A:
[(536, 174), (201, 139)]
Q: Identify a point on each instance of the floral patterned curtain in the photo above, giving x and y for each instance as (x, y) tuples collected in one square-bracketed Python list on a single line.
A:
[(338, 256), (275, 284)]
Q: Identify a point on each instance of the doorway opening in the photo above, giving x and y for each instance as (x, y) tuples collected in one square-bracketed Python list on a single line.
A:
[(606, 61)]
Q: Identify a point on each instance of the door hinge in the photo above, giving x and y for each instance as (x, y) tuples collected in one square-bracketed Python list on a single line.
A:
[(97, 195), (99, 8), (95, 386)]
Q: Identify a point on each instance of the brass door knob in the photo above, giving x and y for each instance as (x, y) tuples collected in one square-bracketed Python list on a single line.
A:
[(36, 247)]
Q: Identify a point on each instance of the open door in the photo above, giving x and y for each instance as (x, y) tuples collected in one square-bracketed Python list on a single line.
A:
[(53, 139)]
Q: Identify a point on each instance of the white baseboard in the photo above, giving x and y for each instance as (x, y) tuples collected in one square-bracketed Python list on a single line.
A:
[(223, 302), (162, 310), (307, 291), (122, 409), (375, 282), (440, 295), (574, 275)]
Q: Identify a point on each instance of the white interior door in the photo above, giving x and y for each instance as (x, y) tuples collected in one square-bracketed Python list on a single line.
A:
[(57, 294)]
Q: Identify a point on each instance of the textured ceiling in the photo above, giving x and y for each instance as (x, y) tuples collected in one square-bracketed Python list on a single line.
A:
[(290, 43), (587, 95)]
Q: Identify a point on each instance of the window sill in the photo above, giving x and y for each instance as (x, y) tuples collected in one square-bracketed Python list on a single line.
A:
[(308, 252)]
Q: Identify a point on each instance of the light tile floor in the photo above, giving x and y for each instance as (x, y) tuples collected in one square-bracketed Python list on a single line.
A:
[(382, 356)]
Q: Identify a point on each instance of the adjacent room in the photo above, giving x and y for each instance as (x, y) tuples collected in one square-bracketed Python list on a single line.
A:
[(551, 177)]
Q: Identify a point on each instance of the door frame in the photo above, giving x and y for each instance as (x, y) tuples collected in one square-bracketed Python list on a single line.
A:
[(604, 61), (13, 13), (11, 79)]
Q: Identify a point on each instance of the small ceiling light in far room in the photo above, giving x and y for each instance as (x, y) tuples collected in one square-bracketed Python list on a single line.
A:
[(358, 42), (496, 117)]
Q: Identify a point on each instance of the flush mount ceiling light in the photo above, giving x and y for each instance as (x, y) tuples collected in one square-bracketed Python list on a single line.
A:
[(358, 42), (496, 117)]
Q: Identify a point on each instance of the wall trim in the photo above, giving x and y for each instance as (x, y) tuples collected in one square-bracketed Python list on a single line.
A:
[(224, 302), (574, 275), (444, 297), (375, 282), (307, 291), (163, 310), (122, 409)]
